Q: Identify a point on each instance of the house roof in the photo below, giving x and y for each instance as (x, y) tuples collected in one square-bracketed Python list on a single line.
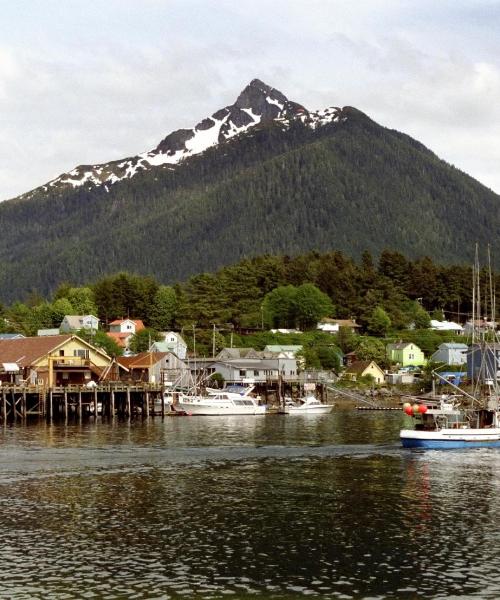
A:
[(452, 346), (143, 360), (340, 322), (270, 365), (26, 351), (236, 352), (163, 346), (138, 323), (359, 366), (76, 321), (120, 337), (180, 339), (283, 348), (400, 345), (445, 325)]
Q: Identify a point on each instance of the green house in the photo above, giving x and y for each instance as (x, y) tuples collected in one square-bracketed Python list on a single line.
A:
[(405, 354)]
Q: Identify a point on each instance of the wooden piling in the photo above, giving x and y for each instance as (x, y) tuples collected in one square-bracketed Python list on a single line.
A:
[(65, 405), (95, 403), (51, 405), (112, 408), (129, 409), (14, 411), (79, 404), (4, 406)]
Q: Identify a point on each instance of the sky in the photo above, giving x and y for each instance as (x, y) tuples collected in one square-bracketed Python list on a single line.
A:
[(89, 81)]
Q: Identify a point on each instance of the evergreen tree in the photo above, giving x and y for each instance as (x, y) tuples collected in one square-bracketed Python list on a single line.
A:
[(379, 322), (163, 310), (142, 340)]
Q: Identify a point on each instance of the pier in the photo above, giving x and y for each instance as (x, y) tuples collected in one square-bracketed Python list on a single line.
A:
[(109, 400), (113, 399)]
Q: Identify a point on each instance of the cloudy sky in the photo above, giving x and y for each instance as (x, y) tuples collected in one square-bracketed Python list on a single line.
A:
[(88, 81)]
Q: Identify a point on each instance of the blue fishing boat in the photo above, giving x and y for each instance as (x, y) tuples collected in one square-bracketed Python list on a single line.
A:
[(451, 425), (470, 418)]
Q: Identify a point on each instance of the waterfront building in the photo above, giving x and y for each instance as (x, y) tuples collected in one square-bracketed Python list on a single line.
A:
[(165, 368), (241, 365), (52, 361)]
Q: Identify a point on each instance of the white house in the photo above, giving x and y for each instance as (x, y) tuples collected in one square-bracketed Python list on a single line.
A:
[(126, 326), (72, 323), (333, 325), (451, 354), (447, 326), (173, 342)]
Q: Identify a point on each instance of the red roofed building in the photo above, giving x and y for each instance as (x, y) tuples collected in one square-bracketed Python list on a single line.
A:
[(122, 330), (130, 326)]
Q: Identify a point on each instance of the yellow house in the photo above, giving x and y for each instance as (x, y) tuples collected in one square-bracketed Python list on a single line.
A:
[(362, 368), (56, 360)]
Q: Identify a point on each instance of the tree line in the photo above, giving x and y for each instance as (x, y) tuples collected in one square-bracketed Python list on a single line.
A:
[(268, 291)]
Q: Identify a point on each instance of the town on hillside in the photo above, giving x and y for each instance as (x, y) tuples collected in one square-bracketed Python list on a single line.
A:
[(72, 358)]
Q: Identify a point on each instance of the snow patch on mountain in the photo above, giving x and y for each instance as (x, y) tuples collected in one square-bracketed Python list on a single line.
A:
[(258, 103)]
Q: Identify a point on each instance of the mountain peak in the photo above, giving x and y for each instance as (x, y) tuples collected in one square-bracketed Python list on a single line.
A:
[(257, 104)]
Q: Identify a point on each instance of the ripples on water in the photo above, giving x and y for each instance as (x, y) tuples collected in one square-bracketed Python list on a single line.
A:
[(267, 507)]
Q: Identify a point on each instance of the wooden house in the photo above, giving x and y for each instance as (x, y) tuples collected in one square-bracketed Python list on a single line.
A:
[(57, 360), (363, 368)]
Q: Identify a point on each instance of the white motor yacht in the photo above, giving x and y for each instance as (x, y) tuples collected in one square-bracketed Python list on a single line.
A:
[(307, 405), (221, 403)]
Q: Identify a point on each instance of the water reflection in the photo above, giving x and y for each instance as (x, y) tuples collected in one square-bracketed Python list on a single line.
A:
[(273, 507)]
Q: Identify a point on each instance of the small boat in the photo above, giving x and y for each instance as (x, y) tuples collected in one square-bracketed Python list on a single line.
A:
[(306, 405), (221, 403)]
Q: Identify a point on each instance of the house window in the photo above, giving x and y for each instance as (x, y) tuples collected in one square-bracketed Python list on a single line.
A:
[(243, 373), (256, 373), (411, 356), (61, 352), (82, 353)]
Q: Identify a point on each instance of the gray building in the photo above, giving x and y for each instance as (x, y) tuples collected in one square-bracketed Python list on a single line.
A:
[(243, 365), (451, 354), (72, 323)]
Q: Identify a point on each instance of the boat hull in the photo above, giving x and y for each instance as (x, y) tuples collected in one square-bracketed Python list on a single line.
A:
[(450, 438), (196, 409), (311, 410)]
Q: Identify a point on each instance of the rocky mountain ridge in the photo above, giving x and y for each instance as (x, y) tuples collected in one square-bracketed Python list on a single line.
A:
[(262, 176), (257, 104)]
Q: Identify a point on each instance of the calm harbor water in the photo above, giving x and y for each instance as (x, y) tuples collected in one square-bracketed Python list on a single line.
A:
[(245, 507)]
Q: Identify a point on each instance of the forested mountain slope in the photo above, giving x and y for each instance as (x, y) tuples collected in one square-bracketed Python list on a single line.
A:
[(293, 182)]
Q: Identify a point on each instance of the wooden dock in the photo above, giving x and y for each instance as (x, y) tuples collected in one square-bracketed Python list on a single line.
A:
[(109, 400)]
